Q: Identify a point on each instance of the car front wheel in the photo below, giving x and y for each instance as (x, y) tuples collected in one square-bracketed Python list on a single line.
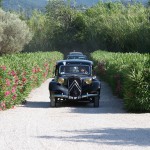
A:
[(52, 100)]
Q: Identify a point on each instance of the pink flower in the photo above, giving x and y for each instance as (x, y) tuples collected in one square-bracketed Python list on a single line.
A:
[(34, 70), (15, 86), (7, 82), (44, 74), (13, 90), (16, 80), (3, 105), (14, 97), (13, 73), (7, 93), (39, 69), (24, 79), (46, 64), (21, 90), (13, 107), (24, 73), (3, 67)]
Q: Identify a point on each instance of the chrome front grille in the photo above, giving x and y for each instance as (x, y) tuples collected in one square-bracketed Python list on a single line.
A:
[(74, 86)]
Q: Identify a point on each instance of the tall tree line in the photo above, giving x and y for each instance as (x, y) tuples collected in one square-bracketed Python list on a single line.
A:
[(108, 26)]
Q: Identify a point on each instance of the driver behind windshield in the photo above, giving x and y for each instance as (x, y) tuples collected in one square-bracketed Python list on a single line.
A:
[(74, 70), (83, 70)]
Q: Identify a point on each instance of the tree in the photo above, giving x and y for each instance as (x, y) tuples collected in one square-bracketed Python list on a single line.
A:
[(66, 25), (14, 33), (0, 3), (38, 24)]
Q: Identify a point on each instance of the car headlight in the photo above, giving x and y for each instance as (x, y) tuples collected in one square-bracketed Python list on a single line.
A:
[(61, 80), (88, 80)]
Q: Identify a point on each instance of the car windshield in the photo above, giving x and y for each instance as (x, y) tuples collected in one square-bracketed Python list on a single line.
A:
[(75, 69), (76, 57)]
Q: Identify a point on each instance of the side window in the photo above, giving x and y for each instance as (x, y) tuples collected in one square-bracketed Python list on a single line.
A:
[(56, 71), (93, 71), (56, 74), (62, 70)]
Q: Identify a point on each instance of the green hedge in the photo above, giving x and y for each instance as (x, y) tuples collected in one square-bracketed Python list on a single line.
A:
[(129, 76), (20, 73)]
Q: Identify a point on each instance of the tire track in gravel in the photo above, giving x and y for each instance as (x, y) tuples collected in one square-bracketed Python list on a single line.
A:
[(73, 126)]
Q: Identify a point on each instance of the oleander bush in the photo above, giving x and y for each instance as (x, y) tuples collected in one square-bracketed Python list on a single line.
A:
[(20, 73), (14, 33), (129, 76)]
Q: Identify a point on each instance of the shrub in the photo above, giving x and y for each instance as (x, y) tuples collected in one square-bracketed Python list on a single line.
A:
[(14, 33), (20, 73), (129, 76)]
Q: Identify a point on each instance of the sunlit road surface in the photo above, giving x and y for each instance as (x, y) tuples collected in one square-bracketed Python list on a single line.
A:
[(73, 126)]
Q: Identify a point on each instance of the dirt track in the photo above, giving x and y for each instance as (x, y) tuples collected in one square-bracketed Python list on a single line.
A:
[(36, 126)]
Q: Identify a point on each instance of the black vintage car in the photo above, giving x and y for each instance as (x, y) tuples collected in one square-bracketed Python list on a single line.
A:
[(84, 57), (74, 81)]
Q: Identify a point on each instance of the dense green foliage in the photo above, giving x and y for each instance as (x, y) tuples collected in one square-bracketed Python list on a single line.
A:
[(40, 4), (14, 33), (38, 25), (129, 76), (120, 28), (110, 26), (0, 3), (20, 73)]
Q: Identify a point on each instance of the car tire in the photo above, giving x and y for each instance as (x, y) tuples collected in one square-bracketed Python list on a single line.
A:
[(96, 100), (52, 100)]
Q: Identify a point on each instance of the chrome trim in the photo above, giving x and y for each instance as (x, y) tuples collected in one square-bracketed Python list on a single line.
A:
[(79, 97), (74, 83)]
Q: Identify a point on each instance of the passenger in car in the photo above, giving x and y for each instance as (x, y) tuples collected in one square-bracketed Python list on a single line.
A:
[(83, 70)]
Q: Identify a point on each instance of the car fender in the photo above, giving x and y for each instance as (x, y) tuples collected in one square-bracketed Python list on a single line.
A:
[(52, 86), (96, 85), (55, 86)]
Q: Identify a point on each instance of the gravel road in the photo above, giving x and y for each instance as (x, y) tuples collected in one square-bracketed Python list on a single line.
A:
[(36, 126)]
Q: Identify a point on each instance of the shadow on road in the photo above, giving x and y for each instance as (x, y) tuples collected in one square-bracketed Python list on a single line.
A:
[(36, 104), (124, 137), (108, 104)]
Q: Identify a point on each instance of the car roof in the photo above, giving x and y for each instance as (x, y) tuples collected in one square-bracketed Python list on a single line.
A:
[(74, 61), (75, 53)]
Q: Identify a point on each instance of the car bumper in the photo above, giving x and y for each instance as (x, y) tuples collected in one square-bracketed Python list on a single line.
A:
[(79, 97)]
